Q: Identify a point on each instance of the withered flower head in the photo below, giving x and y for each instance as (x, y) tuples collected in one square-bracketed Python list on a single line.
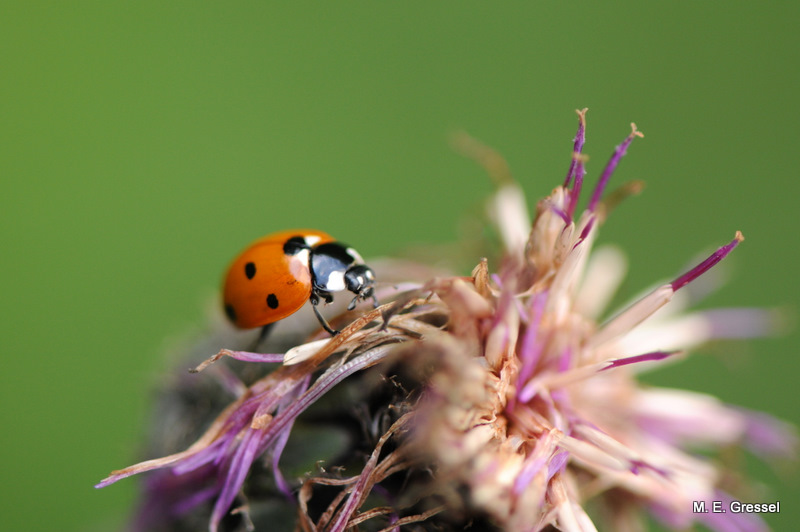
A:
[(492, 400)]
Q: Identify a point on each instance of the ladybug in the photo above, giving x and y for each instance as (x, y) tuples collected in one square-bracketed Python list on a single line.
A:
[(278, 273)]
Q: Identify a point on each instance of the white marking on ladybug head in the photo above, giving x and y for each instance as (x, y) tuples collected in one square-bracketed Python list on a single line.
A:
[(335, 282)]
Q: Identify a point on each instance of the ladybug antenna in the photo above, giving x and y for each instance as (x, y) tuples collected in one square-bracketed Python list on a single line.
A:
[(363, 296)]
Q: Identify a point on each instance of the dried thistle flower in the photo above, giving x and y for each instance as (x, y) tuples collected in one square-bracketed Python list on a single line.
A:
[(492, 400)]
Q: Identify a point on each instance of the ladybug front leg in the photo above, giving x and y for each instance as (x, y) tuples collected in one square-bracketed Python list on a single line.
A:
[(363, 297), (262, 335), (315, 300)]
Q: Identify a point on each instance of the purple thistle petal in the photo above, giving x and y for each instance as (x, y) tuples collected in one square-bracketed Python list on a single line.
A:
[(561, 214), (655, 355), (168, 496), (619, 152), (328, 380), (498, 281), (243, 433), (237, 471), (531, 342), (229, 380), (529, 470), (141, 467), (727, 521), (266, 358), (256, 442), (691, 419), (557, 464), (580, 173), (707, 264), (637, 465), (245, 356), (535, 461), (201, 458), (577, 168), (769, 436), (742, 322), (585, 232), (354, 499), (198, 497), (577, 147), (115, 477), (565, 360), (280, 481)]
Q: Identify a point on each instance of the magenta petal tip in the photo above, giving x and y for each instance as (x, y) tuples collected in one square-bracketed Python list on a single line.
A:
[(707, 264)]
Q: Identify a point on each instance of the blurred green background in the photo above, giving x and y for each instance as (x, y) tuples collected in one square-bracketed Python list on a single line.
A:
[(144, 144)]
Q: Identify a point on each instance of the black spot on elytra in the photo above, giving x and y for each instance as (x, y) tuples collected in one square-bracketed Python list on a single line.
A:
[(272, 301), (250, 270), (230, 312), (295, 245)]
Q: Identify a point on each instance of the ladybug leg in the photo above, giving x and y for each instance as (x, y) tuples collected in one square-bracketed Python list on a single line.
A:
[(318, 293), (315, 297), (262, 335)]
